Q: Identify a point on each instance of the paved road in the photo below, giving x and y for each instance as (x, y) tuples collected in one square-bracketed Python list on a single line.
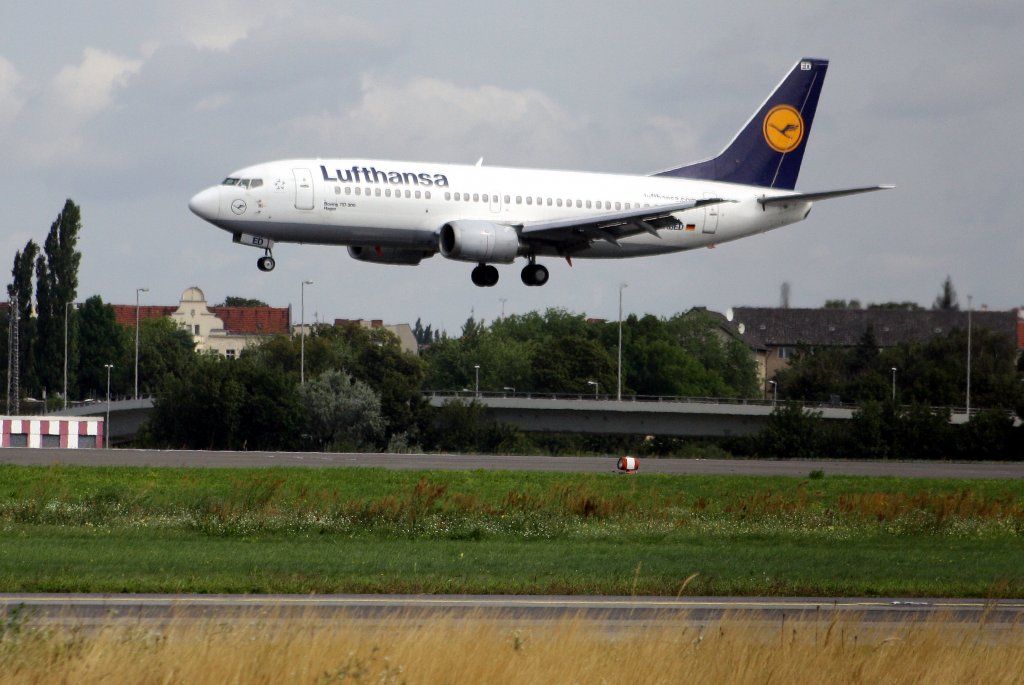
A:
[(84, 609), (798, 468)]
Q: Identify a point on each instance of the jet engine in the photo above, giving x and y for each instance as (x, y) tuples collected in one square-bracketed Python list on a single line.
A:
[(473, 240), (388, 255)]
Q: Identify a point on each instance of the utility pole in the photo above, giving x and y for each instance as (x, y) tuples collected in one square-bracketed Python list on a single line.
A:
[(618, 394)]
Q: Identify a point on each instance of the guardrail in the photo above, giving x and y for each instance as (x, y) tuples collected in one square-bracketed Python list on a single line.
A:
[(605, 397)]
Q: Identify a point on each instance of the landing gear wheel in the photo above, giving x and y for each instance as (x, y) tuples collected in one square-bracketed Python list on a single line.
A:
[(484, 276), (265, 263), (534, 274)]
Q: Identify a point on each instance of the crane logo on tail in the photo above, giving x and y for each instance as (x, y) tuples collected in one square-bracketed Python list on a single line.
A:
[(783, 128)]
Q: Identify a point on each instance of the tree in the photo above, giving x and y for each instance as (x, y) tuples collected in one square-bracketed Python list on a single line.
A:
[(234, 301), (21, 289), (165, 349), (56, 288), (101, 341), (219, 403), (791, 432), (342, 412), (947, 298)]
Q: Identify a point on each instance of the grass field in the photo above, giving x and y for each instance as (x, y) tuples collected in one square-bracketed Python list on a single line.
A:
[(478, 650), (368, 530)]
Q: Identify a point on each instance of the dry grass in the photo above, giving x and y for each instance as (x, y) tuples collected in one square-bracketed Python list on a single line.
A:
[(484, 650)]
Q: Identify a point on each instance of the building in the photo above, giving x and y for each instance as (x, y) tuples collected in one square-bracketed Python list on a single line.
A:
[(774, 335), (402, 331), (225, 330)]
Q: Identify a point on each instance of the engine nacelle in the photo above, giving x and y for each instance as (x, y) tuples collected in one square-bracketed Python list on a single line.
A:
[(388, 255), (473, 240)]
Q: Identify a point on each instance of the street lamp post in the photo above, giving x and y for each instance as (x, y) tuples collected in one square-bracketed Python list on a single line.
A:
[(775, 392), (106, 424), (894, 385), (66, 305), (970, 308), (597, 387), (476, 367), (137, 291), (302, 328), (618, 394)]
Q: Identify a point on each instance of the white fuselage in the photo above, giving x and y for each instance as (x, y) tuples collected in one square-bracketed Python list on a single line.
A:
[(403, 205)]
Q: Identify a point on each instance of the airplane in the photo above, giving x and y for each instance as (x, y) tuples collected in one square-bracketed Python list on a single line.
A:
[(397, 212)]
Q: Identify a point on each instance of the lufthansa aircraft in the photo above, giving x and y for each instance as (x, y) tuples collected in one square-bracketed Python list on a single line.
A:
[(393, 212)]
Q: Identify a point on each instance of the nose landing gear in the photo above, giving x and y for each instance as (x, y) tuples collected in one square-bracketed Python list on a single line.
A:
[(266, 262)]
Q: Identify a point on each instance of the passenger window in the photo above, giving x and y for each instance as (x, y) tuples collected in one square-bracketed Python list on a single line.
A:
[(618, 206), (387, 192), (507, 199), (408, 194), (519, 199), (627, 205), (417, 194), (588, 204), (426, 194), (359, 191), (447, 196), (337, 190), (579, 203), (494, 198), (529, 200), (348, 190), (476, 197), (458, 196), (377, 193), (559, 202), (549, 202)]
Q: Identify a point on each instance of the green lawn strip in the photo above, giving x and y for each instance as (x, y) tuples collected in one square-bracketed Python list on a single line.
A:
[(58, 559), (156, 490)]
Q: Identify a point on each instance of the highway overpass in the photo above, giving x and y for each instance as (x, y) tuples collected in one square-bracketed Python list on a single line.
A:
[(662, 416)]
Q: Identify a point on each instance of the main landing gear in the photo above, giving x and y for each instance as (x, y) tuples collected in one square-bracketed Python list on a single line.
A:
[(533, 274), (266, 262), (484, 276)]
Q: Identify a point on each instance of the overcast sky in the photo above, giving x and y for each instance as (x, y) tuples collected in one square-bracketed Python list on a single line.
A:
[(129, 108)]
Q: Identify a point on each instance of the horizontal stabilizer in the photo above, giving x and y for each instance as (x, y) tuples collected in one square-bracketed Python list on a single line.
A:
[(813, 197)]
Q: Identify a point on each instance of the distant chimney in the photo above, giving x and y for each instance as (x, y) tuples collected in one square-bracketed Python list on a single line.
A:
[(784, 295)]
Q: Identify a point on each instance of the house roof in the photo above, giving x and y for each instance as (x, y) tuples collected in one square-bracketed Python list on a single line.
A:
[(124, 314), (254, 320), (770, 327), (237, 320)]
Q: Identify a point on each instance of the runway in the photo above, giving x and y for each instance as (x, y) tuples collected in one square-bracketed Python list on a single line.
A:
[(85, 609), (447, 462)]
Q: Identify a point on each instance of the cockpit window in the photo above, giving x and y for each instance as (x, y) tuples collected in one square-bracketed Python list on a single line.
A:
[(244, 182)]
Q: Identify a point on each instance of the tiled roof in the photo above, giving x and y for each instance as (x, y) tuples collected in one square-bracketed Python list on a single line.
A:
[(237, 320), (769, 327), (254, 320), (125, 313)]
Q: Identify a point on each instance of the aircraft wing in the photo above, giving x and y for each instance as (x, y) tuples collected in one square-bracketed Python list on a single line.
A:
[(612, 227), (811, 197)]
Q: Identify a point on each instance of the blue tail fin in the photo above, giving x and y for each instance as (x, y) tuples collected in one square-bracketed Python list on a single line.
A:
[(768, 150)]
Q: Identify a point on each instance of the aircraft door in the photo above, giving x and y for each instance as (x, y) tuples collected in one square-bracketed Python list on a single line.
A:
[(711, 216), (303, 189)]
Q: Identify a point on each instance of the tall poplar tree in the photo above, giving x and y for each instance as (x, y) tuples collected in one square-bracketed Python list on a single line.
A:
[(56, 288), (21, 289)]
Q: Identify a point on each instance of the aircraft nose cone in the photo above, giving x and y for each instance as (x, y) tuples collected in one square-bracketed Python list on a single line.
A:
[(206, 204)]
